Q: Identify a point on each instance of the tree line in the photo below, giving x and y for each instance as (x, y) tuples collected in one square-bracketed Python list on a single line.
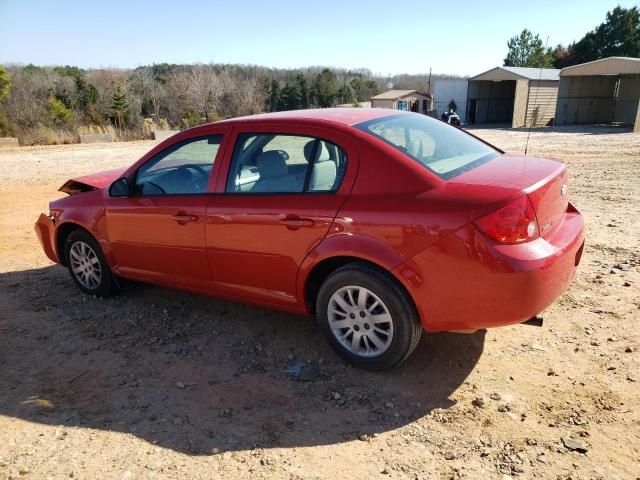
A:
[(617, 36), (43, 105)]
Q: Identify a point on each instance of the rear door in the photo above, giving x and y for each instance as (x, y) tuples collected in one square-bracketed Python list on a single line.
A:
[(282, 189), (157, 233)]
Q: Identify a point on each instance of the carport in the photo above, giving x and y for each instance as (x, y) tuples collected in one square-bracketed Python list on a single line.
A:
[(519, 96), (602, 91)]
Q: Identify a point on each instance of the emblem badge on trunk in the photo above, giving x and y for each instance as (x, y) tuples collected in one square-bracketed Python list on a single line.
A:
[(563, 190)]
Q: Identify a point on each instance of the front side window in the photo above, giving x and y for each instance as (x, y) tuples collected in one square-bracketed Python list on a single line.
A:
[(183, 168), (281, 163), (443, 149)]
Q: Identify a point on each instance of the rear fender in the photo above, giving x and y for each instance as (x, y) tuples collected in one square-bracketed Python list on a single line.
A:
[(347, 245)]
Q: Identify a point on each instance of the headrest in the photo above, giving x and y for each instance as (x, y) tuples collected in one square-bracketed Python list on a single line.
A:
[(272, 164), (321, 156), (308, 150)]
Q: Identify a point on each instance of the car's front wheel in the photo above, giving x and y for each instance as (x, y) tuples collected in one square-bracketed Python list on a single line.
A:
[(87, 265), (367, 318)]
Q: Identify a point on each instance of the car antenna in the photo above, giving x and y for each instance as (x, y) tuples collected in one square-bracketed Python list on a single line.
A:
[(535, 99)]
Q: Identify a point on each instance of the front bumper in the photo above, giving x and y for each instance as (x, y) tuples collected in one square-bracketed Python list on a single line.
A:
[(45, 230), (466, 281)]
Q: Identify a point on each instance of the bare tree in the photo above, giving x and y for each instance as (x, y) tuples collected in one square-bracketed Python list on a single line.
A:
[(204, 90), (28, 101), (148, 89)]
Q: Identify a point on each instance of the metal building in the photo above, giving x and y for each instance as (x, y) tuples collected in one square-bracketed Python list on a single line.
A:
[(519, 96), (602, 91), (447, 89), (409, 100)]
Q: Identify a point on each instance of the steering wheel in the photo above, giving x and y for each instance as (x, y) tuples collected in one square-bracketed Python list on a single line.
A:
[(198, 186)]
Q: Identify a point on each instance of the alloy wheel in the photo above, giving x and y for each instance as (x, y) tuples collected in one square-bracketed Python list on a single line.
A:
[(85, 265), (360, 321)]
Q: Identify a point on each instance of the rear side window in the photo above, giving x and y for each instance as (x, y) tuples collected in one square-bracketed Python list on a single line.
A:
[(281, 163), (443, 149)]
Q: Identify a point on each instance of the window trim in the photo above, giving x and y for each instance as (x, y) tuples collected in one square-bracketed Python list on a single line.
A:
[(169, 150), (235, 151)]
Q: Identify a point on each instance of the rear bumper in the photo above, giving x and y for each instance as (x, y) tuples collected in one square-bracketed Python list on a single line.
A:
[(45, 230), (466, 281)]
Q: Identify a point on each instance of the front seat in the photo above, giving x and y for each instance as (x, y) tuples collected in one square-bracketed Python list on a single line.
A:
[(324, 170), (274, 174)]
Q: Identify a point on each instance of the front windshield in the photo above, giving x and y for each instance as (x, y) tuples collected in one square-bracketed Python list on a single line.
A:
[(443, 149)]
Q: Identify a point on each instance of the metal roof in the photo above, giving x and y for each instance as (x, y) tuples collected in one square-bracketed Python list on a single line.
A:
[(604, 66), (519, 73), (396, 94)]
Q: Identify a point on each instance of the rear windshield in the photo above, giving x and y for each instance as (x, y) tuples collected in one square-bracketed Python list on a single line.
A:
[(443, 149)]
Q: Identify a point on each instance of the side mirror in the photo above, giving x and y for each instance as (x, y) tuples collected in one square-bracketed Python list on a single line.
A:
[(119, 188)]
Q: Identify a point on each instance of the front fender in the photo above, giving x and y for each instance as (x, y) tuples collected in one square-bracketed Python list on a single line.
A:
[(90, 215)]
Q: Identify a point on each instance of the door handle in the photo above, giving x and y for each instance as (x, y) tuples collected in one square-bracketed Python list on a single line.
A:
[(293, 222), (183, 218)]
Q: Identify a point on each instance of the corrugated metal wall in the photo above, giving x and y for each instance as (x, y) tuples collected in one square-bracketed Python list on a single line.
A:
[(449, 89), (627, 100), (541, 107), (492, 101), (520, 104), (586, 99)]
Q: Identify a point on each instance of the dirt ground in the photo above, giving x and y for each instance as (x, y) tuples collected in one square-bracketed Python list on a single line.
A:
[(163, 384)]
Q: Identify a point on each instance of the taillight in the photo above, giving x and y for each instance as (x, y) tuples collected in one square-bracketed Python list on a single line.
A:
[(513, 223)]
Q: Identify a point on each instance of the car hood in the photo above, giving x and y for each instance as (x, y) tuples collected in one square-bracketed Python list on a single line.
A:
[(94, 181)]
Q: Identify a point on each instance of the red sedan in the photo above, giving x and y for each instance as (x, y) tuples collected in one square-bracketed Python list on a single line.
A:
[(379, 223)]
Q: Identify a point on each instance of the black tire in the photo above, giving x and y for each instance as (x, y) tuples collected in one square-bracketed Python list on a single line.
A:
[(106, 286), (407, 329)]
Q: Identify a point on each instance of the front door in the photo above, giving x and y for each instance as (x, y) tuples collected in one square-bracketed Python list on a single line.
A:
[(282, 193), (157, 233)]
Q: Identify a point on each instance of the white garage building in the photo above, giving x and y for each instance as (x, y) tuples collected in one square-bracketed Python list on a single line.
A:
[(447, 89)]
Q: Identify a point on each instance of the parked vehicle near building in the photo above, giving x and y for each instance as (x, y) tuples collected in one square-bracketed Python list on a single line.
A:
[(381, 224)]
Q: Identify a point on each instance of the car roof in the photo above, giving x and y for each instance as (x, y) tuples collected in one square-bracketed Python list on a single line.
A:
[(345, 116)]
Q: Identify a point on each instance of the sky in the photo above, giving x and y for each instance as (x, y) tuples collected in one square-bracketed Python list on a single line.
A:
[(407, 36)]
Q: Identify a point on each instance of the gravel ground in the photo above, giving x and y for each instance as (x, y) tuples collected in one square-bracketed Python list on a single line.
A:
[(163, 384)]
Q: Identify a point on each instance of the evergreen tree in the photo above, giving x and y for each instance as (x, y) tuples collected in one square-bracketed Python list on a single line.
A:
[(5, 83), (274, 96), (263, 86), (120, 106), (527, 50), (6, 127), (345, 95), (87, 93), (59, 113), (617, 36), (324, 89), (303, 90), (290, 98)]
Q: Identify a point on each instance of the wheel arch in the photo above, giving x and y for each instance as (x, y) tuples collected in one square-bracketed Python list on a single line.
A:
[(321, 270), (62, 233)]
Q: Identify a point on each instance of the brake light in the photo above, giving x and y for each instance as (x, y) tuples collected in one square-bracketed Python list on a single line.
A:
[(513, 223)]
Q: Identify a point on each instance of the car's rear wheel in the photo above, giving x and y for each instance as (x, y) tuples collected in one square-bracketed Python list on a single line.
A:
[(367, 318), (87, 265)]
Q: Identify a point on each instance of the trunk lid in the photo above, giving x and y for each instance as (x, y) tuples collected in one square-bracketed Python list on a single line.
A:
[(544, 180)]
